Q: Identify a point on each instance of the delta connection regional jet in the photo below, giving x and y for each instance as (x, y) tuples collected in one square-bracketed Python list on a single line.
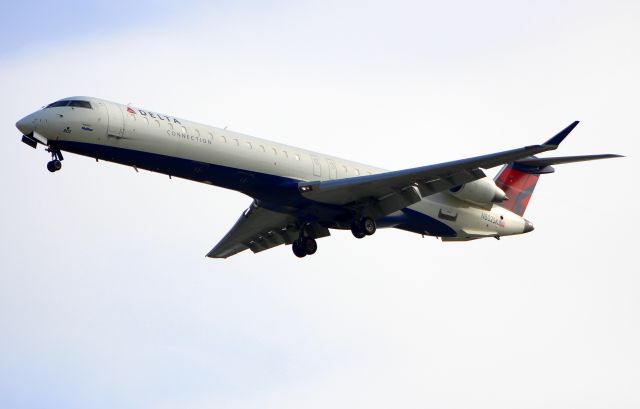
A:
[(298, 195)]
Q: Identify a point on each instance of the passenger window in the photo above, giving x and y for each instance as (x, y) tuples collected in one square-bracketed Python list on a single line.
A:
[(184, 130), (170, 125), (237, 141), (262, 148), (285, 154), (297, 157), (358, 172), (223, 139), (249, 145), (197, 132), (157, 123), (146, 120), (275, 151)]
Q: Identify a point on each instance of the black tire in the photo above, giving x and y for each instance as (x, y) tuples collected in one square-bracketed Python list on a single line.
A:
[(298, 250), (54, 165), (309, 245), (368, 225), (357, 232)]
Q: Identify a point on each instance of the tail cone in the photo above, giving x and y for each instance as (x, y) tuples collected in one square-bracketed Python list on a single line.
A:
[(528, 226)]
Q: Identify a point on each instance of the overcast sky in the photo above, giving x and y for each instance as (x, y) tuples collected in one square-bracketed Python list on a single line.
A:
[(107, 300)]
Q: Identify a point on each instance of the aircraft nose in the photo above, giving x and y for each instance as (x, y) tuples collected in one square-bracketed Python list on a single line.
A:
[(528, 226), (25, 125)]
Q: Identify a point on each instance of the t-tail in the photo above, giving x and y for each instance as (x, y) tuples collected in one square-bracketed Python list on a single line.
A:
[(518, 179)]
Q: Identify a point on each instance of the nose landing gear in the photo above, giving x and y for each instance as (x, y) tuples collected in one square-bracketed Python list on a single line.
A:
[(55, 164)]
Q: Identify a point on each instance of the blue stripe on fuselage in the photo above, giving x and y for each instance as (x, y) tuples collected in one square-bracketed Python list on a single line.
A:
[(254, 184), (416, 222), (275, 192)]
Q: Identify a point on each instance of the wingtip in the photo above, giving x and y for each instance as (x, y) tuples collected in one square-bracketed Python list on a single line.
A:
[(559, 137), (611, 156)]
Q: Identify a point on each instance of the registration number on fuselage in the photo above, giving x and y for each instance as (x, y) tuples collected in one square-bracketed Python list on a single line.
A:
[(492, 218)]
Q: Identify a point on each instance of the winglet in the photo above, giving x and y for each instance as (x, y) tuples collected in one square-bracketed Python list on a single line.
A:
[(556, 140)]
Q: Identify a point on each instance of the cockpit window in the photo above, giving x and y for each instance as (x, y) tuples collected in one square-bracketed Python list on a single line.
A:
[(81, 104), (71, 103), (58, 104)]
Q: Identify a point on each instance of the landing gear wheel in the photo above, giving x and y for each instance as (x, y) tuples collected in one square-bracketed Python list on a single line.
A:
[(298, 250), (309, 245), (54, 165), (357, 231), (368, 225), (56, 157), (363, 227), (304, 246)]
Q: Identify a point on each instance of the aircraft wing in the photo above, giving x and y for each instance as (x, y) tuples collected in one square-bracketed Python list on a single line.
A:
[(260, 229), (387, 192)]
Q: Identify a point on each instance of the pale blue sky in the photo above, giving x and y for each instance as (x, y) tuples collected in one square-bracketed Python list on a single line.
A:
[(36, 24), (107, 300)]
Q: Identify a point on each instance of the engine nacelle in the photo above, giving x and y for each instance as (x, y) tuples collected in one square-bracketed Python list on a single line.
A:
[(481, 192)]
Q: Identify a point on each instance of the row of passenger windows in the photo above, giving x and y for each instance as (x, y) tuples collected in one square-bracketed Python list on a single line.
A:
[(219, 138), (235, 141), (71, 103)]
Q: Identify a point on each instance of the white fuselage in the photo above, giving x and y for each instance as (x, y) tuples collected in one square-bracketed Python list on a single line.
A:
[(221, 157)]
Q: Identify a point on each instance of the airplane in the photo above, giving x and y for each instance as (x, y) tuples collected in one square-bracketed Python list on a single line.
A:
[(299, 195)]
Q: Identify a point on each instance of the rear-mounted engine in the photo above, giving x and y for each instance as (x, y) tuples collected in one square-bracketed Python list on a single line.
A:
[(481, 192)]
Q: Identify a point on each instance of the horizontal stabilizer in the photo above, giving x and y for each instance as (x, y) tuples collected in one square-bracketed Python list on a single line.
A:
[(541, 162)]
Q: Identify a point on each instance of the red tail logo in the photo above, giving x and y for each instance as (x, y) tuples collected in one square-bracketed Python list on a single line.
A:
[(518, 186)]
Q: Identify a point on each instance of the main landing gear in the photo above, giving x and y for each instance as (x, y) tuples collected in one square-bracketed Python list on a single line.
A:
[(304, 246), (366, 226), (55, 164)]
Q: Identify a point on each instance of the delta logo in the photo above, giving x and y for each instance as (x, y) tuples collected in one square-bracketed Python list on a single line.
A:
[(153, 115)]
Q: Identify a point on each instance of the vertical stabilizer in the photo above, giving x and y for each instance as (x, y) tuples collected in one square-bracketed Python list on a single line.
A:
[(518, 184)]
